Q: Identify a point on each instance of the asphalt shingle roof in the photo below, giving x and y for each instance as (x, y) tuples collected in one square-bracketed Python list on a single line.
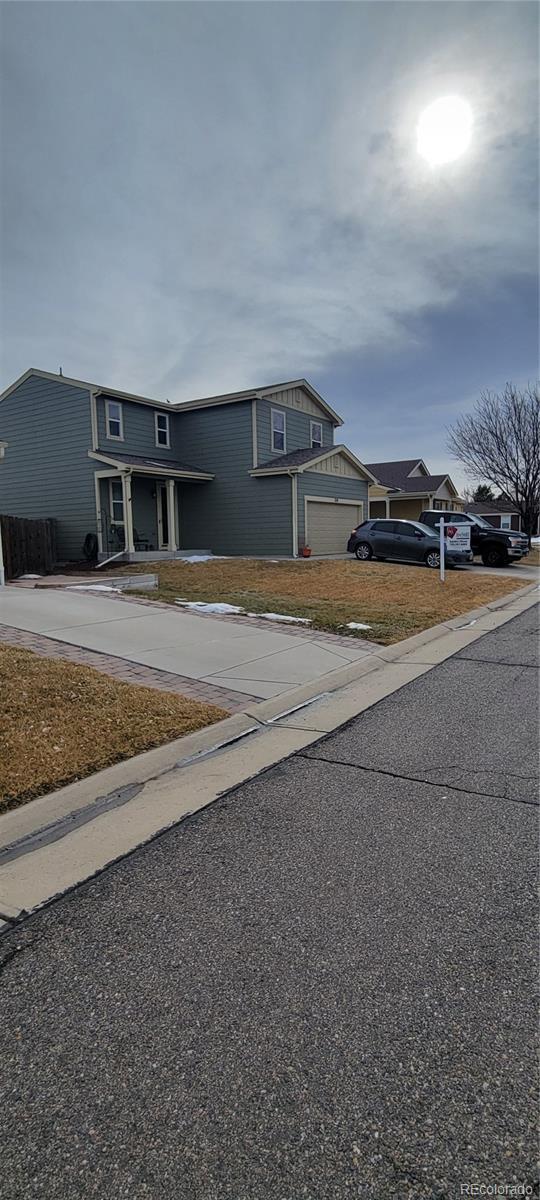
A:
[(134, 460), (492, 506), (392, 473), (421, 483), (296, 458)]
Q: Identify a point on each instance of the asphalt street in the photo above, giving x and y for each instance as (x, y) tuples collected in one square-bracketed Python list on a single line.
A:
[(321, 986)]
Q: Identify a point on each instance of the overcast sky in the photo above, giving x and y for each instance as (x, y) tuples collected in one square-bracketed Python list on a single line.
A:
[(203, 197)]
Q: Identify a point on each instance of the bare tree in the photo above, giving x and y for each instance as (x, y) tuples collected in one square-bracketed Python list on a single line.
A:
[(500, 443)]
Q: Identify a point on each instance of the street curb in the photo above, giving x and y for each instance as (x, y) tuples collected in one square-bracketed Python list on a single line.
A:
[(57, 841)]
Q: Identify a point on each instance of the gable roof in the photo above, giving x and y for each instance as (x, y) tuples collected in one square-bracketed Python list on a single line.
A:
[(296, 458), (393, 473), (492, 506), (300, 460), (261, 394), (397, 475), (179, 406), (424, 483)]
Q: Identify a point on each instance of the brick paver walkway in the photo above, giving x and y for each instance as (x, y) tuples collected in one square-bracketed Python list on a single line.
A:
[(125, 670)]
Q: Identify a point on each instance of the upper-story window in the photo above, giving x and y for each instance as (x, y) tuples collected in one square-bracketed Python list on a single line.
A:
[(278, 430), (115, 423), (162, 429), (316, 435)]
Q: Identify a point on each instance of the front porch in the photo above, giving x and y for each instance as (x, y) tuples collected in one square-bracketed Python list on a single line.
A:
[(139, 509)]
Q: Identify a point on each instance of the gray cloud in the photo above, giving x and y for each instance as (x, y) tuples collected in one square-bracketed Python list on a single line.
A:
[(202, 196)]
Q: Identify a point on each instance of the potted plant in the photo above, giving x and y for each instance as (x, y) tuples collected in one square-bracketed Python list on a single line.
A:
[(305, 551)]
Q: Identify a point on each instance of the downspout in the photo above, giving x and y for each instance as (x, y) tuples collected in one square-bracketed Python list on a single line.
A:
[(120, 554), (294, 505)]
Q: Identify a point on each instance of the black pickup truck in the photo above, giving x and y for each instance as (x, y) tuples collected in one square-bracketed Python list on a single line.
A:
[(496, 547)]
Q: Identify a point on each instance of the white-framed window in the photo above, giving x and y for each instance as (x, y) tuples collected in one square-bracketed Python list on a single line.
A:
[(115, 421), (116, 501), (316, 435), (506, 521), (162, 429), (278, 431)]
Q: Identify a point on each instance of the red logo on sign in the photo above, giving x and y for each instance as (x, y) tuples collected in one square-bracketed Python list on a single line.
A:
[(451, 531)]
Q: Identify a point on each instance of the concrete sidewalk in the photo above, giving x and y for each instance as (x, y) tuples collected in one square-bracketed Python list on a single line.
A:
[(321, 986), (235, 656)]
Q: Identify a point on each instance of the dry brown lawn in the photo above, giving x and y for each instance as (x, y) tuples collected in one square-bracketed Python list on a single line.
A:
[(59, 722), (396, 601)]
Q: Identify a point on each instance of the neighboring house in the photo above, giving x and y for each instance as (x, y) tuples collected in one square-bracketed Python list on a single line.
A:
[(405, 488), (251, 472), (501, 513)]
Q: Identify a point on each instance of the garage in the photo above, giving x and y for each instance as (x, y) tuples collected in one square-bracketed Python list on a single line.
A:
[(329, 524)]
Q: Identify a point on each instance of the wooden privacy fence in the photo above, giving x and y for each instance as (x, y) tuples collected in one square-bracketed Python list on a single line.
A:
[(29, 546)]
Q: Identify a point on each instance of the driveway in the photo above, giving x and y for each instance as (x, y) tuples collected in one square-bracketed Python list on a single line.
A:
[(221, 652), (321, 986)]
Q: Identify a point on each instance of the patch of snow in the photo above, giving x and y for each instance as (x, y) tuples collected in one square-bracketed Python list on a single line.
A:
[(282, 617), (191, 558), (199, 606), (30, 576), (91, 587), (357, 625), (235, 609)]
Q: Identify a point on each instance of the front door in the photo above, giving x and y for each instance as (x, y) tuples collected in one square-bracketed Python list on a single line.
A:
[(162, 516)]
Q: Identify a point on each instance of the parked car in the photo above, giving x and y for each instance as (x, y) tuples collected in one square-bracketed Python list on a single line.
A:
[(496, 547), (409, 541)]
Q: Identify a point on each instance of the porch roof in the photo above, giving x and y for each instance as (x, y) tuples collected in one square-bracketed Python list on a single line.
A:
[(298, 461), (149, 466)]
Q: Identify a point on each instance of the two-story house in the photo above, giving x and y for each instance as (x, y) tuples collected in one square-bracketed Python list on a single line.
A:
[(254, 472), (405, 487)]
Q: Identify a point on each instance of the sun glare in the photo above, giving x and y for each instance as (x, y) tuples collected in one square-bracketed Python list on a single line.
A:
[(444, 130)]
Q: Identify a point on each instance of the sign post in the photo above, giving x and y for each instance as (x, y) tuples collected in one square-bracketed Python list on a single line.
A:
[(441, 547)]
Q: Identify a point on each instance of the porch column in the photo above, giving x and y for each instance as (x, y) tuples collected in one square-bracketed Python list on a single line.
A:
[(387, 505), (128, 512), (171, 516)]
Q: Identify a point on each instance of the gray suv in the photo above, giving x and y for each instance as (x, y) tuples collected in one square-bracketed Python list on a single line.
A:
[(409, 541)]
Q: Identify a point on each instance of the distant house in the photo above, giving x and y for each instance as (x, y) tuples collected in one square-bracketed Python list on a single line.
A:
[(501, 513), (404, 488), (255, 472)]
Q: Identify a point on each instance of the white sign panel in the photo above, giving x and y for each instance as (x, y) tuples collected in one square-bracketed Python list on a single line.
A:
[(458, 536)]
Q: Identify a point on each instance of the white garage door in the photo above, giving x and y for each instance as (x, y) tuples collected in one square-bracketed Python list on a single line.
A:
[(329, 525)]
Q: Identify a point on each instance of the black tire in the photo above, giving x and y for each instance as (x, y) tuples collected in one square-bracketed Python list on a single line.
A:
[(433, 559), (494, 556), (363, 551)]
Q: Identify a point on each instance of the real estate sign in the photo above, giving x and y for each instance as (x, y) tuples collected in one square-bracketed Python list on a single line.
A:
[(458, 536)]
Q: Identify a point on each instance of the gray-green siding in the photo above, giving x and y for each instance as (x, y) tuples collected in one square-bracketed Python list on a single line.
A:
[(340, 487), (139, 431), (46, 471), (297, 430), (234, 513)]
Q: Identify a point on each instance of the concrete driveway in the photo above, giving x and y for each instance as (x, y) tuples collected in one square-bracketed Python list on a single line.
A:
[(220, 651)]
